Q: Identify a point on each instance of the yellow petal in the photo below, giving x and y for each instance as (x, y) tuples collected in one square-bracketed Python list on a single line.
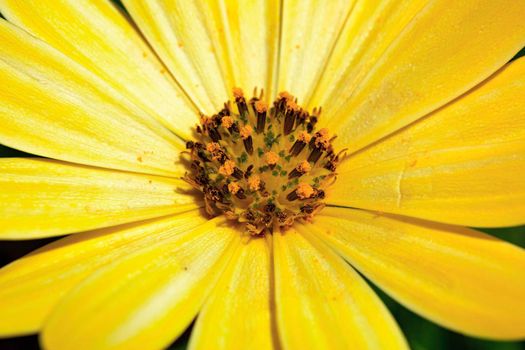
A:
[(369, 30), (460, 278), (96, 35), (322, 303), (31, 286), (179, 31), (41, 198), (310, 29), (237, 314), (434, 60), (53, 107), (463, 164), (245, 35), (145, 300)]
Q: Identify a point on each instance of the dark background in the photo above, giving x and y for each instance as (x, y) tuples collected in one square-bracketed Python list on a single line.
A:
[(421, 334)]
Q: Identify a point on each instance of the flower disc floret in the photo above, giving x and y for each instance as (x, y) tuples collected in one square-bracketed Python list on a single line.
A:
[(263, 165)]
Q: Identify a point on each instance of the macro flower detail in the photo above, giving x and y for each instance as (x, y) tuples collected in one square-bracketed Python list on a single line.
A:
[(262, 190), (377, 134)]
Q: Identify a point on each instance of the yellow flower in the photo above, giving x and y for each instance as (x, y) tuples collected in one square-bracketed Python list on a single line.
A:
[(429, 115)]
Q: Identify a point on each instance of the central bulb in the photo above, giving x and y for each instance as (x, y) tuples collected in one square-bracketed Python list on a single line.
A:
[(264, 166)]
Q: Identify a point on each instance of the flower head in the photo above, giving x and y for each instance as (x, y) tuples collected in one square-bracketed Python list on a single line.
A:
[(372, 139)]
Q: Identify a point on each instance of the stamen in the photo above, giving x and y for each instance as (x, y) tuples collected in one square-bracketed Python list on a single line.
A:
[(246, 134), (301, 169), (291, 113), (213, 147), (241, 103), (227, 168), (316, 153), (233, 187), (304, 191), (271, 158), (227, 122), (261, 107), (256, 182)]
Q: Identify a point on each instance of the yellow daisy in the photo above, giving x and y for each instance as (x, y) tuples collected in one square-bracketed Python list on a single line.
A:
[(256, 220)]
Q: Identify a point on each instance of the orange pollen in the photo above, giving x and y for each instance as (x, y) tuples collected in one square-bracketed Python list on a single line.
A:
[(304, 167), (237, 92), (227, 121), (233, 187), (205, 120), (271, 158), (246, 131), (261, 106), (304, 136), (286, 95), (213, 147), (262, 164), (227, 168), (254, 182), (322, 140), (304, 190), (290, 104)]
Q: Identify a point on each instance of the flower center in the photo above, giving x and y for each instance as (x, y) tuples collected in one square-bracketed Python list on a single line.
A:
[(264, 166)]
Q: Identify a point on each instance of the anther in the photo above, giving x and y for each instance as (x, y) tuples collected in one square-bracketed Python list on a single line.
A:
[(227, 168), (330, 165), (254, 182), (269, 208), (214, 134), (292, 196), (246, 134), (261, 107), (304, 190), (289, 119), (271, 158), (248, 171), (233, 187), (214, 194), (307, 209), (227, 122), (247, 182), (203, 155), (282, 216), (315, 155), (237, 173), (240, 194), (301, 169), (241, 103), (302, 139)]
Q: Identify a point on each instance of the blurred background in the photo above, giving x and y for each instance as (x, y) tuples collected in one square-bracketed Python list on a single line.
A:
[(420, 333)]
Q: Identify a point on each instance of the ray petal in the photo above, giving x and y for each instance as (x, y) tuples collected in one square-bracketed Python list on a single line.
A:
[(33, 285), (440, 54), (245, 35), (322, 303), (55, 108), (310, 30), (98, 36), (42, 198), (460, 278), (237, 314), (370, 29), (147, 299), (180, 33), (463, 164)]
